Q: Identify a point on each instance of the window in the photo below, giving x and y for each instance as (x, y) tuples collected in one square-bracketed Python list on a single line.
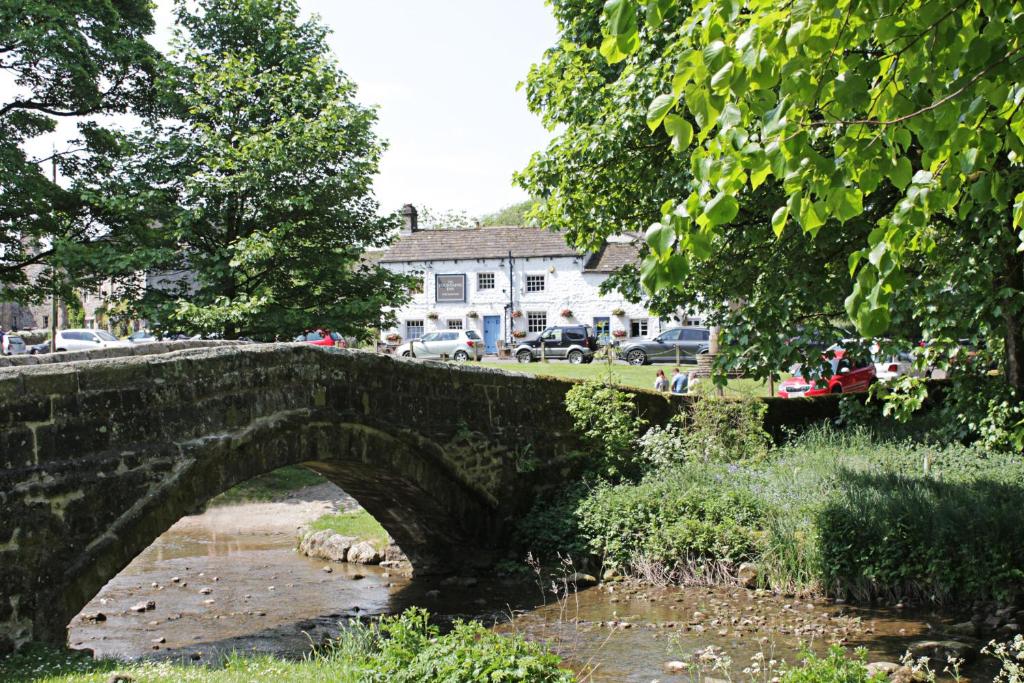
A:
[(695, 335), (536, 321), (638, 328), (575, 334), (535, 283), (554, 335), (485, 280), (671, 335), (447, 336), (413, 329), (470, 334), (454, 324)]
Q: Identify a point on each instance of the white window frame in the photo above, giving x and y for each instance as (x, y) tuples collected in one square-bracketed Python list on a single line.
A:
[(532, 279), (421, 324), (536, 321), (639, 327), (453, 324), (485, 281)]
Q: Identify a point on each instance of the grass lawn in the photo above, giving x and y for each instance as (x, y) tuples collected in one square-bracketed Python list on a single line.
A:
[(359, 524), (639, 376), (269, 486)]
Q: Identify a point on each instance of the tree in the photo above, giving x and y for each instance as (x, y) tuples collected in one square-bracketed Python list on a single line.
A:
[(264, 168), (73, 61), (605, 173), (910, 110), (513, 214)]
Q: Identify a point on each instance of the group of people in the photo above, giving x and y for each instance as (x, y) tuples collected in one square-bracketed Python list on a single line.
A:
[(681, 383)]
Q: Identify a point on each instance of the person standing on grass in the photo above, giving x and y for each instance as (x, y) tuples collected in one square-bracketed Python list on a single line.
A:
[(680, 382), (691, 382), (660, 383)]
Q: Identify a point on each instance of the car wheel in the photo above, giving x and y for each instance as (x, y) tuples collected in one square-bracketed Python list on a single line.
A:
[(837, 389), (636, 357), (524, 356), (406, 354), (461, 356), (575, 357)]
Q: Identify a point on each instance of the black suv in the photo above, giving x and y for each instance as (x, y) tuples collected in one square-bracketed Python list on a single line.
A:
[(574, 343)]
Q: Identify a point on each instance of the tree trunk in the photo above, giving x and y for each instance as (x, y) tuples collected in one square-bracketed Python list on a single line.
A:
[(1014, 323)]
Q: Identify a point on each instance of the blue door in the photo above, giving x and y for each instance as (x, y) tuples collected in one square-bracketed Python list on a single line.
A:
[(492, 333), (602, 330)]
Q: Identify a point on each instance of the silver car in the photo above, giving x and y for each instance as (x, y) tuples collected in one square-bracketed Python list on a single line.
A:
[(460, 345), (689, 341), (12, 345)]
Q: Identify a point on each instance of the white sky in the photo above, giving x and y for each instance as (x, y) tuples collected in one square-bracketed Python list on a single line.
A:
[(444, 76)]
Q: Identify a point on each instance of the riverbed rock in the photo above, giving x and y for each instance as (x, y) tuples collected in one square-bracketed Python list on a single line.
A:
[(747, 575), (327, 545), (940, 651), (675, 666), (886, 668), (143, 606), (94, 617), (363, 552), (580, 579), (966, 628), (394, 554)]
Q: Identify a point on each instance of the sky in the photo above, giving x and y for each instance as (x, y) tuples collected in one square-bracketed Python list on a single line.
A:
[(443, 74)]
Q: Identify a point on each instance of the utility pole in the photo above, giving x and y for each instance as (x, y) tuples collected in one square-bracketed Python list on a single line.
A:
[(53, 277)]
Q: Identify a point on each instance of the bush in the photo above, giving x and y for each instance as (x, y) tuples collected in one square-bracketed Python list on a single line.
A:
[(833, 668), (408, 649), (607, 420), (551, 528), (681, 519), (722, 430)]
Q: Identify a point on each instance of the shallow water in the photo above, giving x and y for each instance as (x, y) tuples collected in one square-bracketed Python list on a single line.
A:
[(255, 593)]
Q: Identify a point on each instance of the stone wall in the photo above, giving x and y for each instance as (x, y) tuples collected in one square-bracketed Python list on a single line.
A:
[(98, 457)]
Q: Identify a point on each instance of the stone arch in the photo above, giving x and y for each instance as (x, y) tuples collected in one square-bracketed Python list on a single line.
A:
[(398, 480)]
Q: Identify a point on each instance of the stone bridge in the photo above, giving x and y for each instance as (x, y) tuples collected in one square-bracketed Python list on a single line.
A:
[(99, 456)]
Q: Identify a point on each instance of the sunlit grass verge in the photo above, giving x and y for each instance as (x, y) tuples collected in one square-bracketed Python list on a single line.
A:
[(269, 486), (359, 524), (401, 649)]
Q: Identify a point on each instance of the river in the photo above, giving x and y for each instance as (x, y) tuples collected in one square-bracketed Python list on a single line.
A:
[(231, 580)]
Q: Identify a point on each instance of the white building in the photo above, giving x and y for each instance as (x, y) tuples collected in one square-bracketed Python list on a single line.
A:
[(505, 282)]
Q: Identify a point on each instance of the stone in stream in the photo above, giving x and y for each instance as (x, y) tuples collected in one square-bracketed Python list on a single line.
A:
[(942, 650), (675, 666), (143, 606), (747, 575), (205, 591), (885, 668), (363, 552), (327, 545), (94, 617)]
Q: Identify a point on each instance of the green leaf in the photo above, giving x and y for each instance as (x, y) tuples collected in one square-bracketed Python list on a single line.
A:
[(681, 131), (811, 216), (660, 238), (845, 203), (779, 220), (722, 209), (659, 108), (873, 322), (759, 171), (700, 244), (621, 17), (901, 173)]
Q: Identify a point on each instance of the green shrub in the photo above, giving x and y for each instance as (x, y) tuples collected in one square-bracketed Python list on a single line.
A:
[(834, 667), (607, 420), (721, 430), (408, 649), (551, 528), (678, 517)]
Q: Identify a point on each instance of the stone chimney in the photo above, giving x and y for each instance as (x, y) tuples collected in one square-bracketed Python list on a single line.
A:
[(409, 216)]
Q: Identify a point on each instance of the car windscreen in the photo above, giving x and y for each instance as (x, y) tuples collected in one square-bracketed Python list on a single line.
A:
[(105, 336), (471, 334)]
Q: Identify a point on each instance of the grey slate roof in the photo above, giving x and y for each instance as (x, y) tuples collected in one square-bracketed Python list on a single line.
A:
[(613, 255), (477, 243)]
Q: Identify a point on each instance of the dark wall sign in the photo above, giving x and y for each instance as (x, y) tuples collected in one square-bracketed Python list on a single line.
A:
[(450, 288)]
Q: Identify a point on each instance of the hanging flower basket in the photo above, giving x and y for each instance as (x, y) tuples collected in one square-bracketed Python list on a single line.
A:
[(432, 315), (566, 313), (472, 314), (618, 311), (519, 334), (619, 334), (394, 338), (517, 314)]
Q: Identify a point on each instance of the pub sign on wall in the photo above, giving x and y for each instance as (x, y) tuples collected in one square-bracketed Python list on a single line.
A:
[(450, 288)]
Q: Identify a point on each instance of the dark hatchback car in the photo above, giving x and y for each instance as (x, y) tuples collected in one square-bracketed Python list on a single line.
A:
[(574, 343)]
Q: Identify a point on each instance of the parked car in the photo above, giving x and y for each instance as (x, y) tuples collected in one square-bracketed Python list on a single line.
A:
[(12, 344), (691, 342), (849, 376), (574, 343), (142, 337), (321, 337), (460, 345), (41, 347), (87, 340)]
